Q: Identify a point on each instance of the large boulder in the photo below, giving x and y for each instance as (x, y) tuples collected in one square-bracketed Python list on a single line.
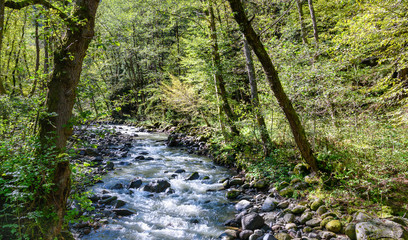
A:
[(157, 186), (252, 221), (379, 229)]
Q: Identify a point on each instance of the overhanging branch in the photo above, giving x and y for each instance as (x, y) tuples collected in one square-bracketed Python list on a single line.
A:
[(26, 3)]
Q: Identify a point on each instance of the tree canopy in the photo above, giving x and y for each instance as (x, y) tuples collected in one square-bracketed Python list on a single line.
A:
[(270, 84)]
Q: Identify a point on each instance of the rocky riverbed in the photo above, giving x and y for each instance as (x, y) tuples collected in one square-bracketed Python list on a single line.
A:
[(261, 211), (148, 190)]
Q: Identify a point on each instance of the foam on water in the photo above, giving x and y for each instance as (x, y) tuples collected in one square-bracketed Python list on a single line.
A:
[(194, 211)]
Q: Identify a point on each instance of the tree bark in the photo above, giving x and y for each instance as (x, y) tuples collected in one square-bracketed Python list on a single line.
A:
[(313, 16), (55, 127), (302, 24), (266, 141), (218, 78), (37, 58), (2, 89), (275, 84)]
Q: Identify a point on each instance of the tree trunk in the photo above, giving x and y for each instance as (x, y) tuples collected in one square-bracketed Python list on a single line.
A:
[(2, 89), (37, 58), (218, 78), (302, 24), (313, 16), (275, 84), (255, 99), (55, 127)]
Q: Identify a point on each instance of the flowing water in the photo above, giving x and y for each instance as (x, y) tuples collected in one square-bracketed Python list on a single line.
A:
[(196, 209)]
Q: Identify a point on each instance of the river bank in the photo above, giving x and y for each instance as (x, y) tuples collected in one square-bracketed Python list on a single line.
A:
[(264, 210)]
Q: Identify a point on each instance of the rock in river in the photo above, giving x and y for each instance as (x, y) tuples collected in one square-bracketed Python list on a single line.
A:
[(157, 186), (136, 183), (123, 212)]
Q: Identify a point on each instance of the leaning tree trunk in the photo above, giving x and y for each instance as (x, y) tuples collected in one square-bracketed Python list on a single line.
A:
[(55, 127), (266, 141), (275, 84), (218, 78)]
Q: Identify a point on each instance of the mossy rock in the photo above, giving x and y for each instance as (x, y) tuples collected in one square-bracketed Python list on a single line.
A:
[(299, 209), (321, 210), (329, 214), (236, 181), (334, 226), (307, 229), (260, 184), (316, 204), (325, 221), (301, 169), (282, 185), (282, 236), (312, 180), (350, 231), (294, 181), (232, 193), (286, 192)]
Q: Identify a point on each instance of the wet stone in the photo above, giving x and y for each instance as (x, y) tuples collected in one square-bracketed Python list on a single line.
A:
[(123, 212), (157, 186), (108, 200), (236, 181), (193, 176), (232, 193), (117, 186), (120, 203), (135, 183)]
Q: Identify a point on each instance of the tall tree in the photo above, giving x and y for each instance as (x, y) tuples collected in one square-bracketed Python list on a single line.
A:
[(266, 140), (302, 24), (55, 126), (274, 82), (313, 16), (2, 89), (218, 77)]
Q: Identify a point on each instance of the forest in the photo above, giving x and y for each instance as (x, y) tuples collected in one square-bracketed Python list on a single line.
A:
[(277, 89)]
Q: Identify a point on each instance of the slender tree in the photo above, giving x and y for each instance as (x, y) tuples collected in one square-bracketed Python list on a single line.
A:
[(2, 89), (302, 24), (37, 57), (313, 16), (274, 82), (218, 78), (266, 140)]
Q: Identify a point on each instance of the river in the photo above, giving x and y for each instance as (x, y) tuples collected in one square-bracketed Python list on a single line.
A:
[(195, 209)]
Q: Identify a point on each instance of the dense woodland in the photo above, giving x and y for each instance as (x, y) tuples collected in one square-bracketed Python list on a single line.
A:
[(267, 83)]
